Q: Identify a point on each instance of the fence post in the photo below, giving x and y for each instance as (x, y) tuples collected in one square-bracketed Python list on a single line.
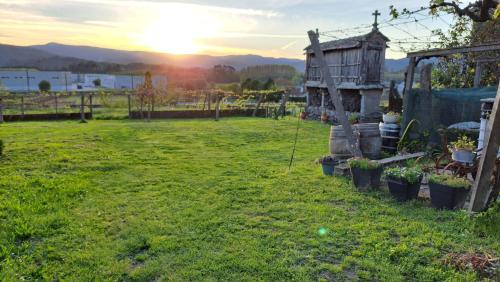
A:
[(57, 108), (22, 105), (1, 110), (209, 101), (82, 108), (129, 107), (91, 105), (217, 108)]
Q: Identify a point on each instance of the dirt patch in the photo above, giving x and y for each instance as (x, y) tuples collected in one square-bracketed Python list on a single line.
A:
[(486, 266)]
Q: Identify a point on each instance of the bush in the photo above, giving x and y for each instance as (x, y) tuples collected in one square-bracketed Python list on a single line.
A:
[(44, 86), (450, 180), (363, 163), (411, 175)]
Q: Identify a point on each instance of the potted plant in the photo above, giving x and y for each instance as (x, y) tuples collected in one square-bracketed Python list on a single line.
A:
[(404, 182), (324, 117), (391, 117), (328, 163), (448, 191), (353, 118), (463, 150), (303, 115), (365, 173)]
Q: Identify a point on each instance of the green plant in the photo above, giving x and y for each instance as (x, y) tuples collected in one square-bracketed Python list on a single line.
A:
[(411, 175), (463, 143), (393, 114), (1, 147), (353, 118), (363, 163), (450, 180), (326, 160)]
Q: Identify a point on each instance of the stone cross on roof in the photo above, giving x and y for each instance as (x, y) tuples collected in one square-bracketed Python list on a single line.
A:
[(376, 14)]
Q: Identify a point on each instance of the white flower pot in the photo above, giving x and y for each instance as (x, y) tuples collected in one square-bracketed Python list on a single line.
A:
[(391, 119), (463, 156)]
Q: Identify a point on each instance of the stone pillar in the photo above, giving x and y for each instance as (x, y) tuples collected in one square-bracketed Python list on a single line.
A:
[(370, 104), (323, 109)]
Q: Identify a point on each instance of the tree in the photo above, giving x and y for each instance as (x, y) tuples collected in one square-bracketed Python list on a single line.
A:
[(44, 86), (478, 11), (476, 23), (97, 82), (145, 95)]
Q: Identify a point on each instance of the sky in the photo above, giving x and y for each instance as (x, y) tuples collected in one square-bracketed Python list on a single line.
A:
[(275, 28)]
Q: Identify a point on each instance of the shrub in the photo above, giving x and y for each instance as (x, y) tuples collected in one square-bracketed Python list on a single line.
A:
[(363, 163), (411, 175), (44, 86), (450, 180)]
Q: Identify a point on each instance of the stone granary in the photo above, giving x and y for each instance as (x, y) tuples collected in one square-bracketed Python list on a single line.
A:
[(357, 65)]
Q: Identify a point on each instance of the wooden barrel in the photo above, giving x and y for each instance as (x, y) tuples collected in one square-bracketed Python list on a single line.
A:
[(390, 137), (339, 146), (370, 142)]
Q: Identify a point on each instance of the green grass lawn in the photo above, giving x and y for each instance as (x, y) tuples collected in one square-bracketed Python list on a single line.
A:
[(205, 200)]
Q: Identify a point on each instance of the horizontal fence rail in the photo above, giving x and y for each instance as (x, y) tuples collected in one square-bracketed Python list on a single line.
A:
[(29, 107)]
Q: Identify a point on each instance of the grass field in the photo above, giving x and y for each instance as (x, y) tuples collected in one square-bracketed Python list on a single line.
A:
[(201, 200)]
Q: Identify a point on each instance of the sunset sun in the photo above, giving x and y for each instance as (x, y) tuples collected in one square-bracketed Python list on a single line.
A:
[(179, 32)]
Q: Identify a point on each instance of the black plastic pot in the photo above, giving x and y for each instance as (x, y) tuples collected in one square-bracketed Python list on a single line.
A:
[(376, 175), (402, 191), (364, 179), (445, 197)]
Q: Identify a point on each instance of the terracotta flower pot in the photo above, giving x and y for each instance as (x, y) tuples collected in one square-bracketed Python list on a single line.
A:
[(324, 118)]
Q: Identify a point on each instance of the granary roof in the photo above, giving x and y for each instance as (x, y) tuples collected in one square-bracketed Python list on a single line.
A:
[(347, 43)]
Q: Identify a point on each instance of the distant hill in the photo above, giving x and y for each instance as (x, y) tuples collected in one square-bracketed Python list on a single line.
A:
[(396, 65), (55, 56), (187, 61)]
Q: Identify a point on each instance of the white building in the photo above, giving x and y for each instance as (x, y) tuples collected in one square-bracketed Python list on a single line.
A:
[(28, 80)]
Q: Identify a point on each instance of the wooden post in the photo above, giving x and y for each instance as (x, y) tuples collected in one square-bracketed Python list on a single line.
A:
[(410, 75), (337, 102), (478, 74), (82, 108), (209, 101), (482, 186), (129, 106), (91, 105), (217, 108), (1, 110), (284, 100), (261, 98), (22, 105), (55, 98)]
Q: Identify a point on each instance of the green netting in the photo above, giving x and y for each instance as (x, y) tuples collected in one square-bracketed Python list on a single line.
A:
[(465, 95), (444, 107)]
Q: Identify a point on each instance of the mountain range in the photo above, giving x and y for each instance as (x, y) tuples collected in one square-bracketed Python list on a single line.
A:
[(58, 56)]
